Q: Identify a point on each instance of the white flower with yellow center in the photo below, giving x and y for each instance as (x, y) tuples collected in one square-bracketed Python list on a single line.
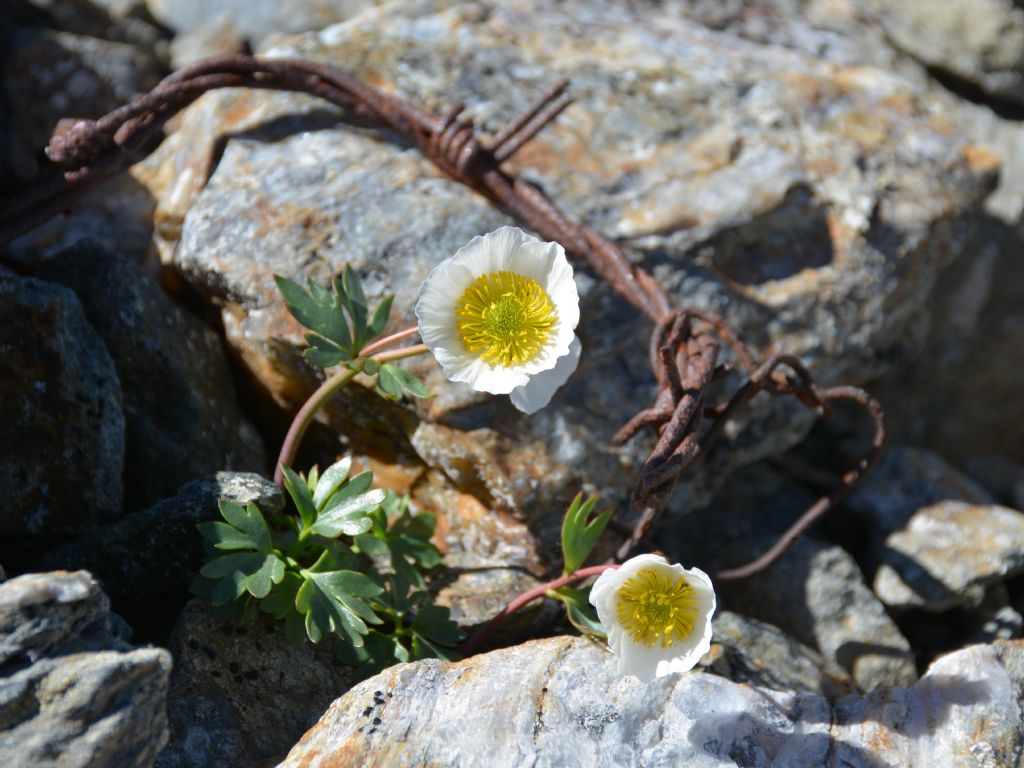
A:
[(500, 315), (657, 615)]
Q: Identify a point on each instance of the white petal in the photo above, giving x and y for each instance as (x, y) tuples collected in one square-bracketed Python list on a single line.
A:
[(538, 391), (639, 660)]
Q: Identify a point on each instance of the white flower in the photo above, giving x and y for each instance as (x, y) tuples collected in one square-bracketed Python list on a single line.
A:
[(500, 316), (658, 616)]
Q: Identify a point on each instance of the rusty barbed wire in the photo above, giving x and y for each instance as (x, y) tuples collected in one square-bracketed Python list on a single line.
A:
[(685, 343)]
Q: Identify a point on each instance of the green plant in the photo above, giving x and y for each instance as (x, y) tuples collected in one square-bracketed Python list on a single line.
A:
[(348, 562)]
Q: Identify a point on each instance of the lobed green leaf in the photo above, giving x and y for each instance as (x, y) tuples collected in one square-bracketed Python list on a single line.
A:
[(579, 533)]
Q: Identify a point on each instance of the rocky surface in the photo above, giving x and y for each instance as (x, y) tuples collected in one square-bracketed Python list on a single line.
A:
[(804, 205), (73, 693), (816, 592), (147, 560), (745, 650), (182, 419), (240, 693), (947, 555), (560, 702), (61, 417)]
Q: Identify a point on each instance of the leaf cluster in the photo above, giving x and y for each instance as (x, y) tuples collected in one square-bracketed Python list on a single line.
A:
[(347, 563), (341, 324)]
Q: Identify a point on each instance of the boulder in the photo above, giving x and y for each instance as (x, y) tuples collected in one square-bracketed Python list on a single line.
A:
[(182, 419), (560, 702)]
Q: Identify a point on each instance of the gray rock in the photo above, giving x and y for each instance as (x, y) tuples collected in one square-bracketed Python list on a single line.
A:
[(240, 693), (71, 692), (61, 423), (560, 702), (947, 554), (817, 594), (254, 21), (745, 650), (182, 420), (216, 37), (772, 202), (980, 41), (147, 560)]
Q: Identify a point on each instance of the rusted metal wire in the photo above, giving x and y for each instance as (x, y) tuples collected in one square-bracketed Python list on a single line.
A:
[(685, 344)]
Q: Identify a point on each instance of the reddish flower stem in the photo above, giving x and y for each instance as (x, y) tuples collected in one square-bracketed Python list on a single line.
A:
[(488, 629)]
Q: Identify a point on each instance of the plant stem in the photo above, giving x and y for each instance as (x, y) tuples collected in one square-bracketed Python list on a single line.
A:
[(398, 354), (304, 417), (386, 341), (529, 596)]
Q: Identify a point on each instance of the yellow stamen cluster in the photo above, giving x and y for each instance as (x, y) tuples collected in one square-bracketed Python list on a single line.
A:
[(507, 317), (655, 606)]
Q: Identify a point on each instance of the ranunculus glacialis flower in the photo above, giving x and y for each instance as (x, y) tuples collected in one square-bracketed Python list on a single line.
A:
[(500, 315), (657, 615)]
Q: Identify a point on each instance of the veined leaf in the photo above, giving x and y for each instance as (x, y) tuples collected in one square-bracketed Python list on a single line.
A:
[(349, 515), (317, 309), (356, 304), (271, 571), (379, 320), (332, 603), (324, 352), (330, 481), (280, 603), (245, 528), (581, 613), (299, 491)]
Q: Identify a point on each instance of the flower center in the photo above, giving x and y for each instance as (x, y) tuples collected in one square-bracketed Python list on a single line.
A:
[(506, 317), (656, 607)]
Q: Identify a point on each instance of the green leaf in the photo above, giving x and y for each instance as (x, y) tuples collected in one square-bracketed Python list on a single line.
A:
[(270, 572), (299, 491), (434, 624), (324, 352), (408, 539), (578, 534), (331, 480), (388, 385), (313, 478), (246, 563), (317, 309), (358, 485), (378, 651), (280, 603), (402, 380), (332, 602), (379, 321), (224, 536), (229, 588), (349, 515), (246, 528), (355, 301), (581, 613)]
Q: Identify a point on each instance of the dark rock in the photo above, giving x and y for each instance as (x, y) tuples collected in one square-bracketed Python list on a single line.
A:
[(61, 422), (182, 421), (72, 693), (51, 75), (240, 693), (147, 560)]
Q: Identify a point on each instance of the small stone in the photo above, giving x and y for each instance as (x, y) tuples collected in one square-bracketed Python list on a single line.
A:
[(948, 554), (745, 650), (69, 686)]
